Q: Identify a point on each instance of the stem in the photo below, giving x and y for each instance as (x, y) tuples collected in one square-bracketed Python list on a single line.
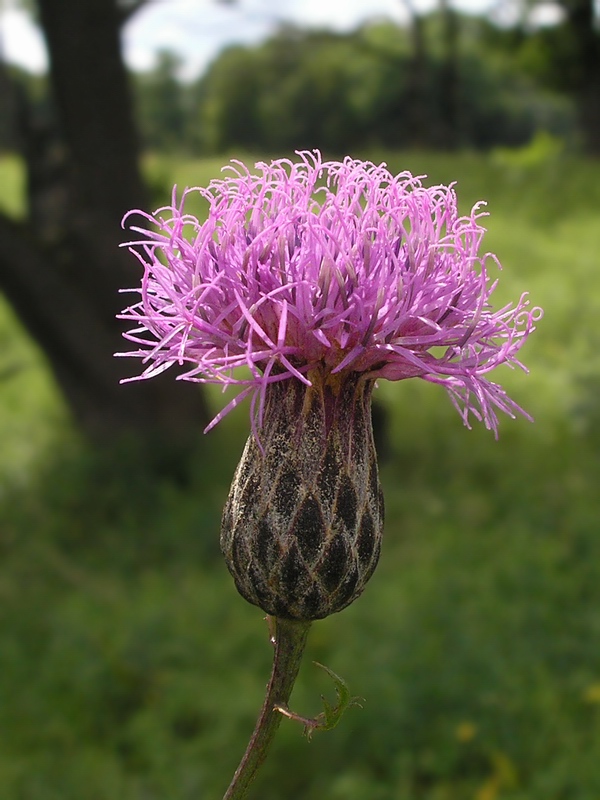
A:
[(290, 639)]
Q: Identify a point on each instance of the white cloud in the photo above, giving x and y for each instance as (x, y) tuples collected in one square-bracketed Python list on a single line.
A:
[(21, 42), (197, 31), (342, 15)]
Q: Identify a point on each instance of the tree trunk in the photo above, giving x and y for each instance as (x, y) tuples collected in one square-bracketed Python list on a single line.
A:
[(449, 79), (416, 89), (586, 44), (63, 268)]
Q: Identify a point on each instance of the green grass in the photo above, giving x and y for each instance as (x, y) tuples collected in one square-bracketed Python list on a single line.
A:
[(130, 668), (12, 185), (31, 410)]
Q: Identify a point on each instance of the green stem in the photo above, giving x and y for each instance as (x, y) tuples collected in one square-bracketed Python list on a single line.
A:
[(290, 639)]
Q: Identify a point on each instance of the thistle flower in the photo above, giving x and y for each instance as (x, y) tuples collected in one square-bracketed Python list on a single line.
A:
[(319, 278)]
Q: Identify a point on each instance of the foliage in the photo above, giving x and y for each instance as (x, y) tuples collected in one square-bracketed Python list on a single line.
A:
[(131, 668), (161, 110), (304, 89), (340, 91), (12, 186)]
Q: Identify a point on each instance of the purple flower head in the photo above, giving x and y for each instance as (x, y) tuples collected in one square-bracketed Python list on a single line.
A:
[(339, 267)]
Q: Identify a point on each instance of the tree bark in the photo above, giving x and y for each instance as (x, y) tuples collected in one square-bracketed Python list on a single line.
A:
[(63, 268), (79, 344), (416, 90), (586, 47), (93, 102), (449, 79)]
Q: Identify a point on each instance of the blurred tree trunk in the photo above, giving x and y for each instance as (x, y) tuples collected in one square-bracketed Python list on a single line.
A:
[(449, 79), (585, 38), (61, 269), (423, 130), (416, 91)]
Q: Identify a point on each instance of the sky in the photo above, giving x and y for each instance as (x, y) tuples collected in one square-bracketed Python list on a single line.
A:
[(199, 29)]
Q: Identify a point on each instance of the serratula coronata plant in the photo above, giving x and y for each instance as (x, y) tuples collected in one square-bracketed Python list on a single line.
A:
[(306, 284)]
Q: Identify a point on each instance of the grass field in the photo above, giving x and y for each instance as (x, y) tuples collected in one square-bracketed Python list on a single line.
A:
[(131, 670)]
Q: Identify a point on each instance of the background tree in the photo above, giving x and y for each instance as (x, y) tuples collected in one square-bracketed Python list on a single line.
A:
[(61, 267), (450, 78), (161, 100), (583, 26), (416, 81), (341, 92), (568, 58)]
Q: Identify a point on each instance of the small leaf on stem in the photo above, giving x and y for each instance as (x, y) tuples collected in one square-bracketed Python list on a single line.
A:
[(332, 714)]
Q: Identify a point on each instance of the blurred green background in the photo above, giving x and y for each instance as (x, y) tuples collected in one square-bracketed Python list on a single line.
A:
[(130, 669)]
